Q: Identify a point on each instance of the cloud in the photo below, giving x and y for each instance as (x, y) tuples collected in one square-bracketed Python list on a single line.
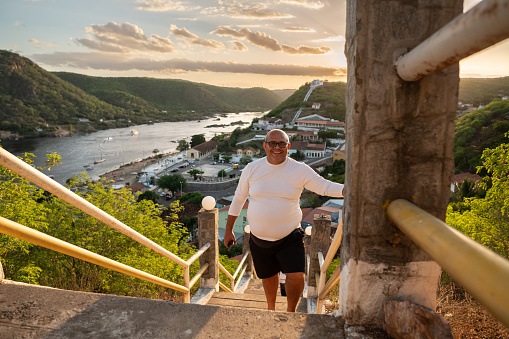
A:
[(124, 38), (338, 38), (239, 46), (39, 44), (123, 62), (183, 33), (255, 12), (305, 3), (297, 29), (266, 41), (305, 50), (239, 10), (164, 6)]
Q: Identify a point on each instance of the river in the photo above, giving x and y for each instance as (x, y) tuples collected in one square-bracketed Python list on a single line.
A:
[(118, 146)]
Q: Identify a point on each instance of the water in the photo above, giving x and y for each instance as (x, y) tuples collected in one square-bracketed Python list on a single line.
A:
[(118, 146)]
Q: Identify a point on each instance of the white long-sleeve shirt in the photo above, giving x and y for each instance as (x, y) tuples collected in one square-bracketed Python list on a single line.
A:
[(274, 192)]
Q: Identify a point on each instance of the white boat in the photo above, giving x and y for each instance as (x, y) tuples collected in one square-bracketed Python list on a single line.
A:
[(98, 161), (134, 132)]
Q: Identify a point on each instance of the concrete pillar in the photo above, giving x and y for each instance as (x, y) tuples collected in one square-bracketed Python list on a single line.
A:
[(208, 224), (307, 246), (245, 248), (320, 242), (2, 275), (399, 145)]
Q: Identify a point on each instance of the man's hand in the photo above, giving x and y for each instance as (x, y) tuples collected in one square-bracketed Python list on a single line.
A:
[(228, 233), (229, 237)]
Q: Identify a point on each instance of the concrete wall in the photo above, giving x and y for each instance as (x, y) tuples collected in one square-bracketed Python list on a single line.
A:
[(210, 186), (399, 145)]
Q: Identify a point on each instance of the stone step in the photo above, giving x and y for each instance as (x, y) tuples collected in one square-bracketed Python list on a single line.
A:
[(29, 311)]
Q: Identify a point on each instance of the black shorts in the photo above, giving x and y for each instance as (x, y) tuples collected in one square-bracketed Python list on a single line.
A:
[(286, 255)]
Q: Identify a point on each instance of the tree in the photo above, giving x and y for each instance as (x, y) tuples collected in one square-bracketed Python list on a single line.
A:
[(148, 195), (173, 182), (22, 203), (183, 145), (197, 139), (227, 158), (299, 156), (221, 174), (246, 159), (486, 220), (155, 151), (192, 197), (195, 173)]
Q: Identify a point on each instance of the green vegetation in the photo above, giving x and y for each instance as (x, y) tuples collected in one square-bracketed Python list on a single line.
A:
[(174, 182), (31, 97), (182, 98), (30, 206), (486, 219), (331, 96), (193, 197), (197, 139), (478, 130), (478, 91)]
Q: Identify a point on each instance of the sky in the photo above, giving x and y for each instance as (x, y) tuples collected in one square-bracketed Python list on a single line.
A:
[(276, 44)]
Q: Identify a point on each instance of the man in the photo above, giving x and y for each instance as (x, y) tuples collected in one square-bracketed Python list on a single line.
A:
[(274, 185)]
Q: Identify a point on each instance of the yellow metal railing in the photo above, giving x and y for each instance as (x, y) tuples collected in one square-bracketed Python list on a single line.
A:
[(242, 267), (16, 230), (322, 286), (26, 171), (479, 270)]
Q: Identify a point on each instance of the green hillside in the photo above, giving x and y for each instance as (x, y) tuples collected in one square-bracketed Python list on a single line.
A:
[(331, 96), (478, 130), (478, 91), (178, 97), (32, 98)]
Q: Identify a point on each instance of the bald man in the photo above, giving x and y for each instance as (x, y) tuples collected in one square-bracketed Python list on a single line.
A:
[(274, 185)]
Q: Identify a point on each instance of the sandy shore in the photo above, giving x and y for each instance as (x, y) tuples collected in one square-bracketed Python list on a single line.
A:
[(125, 171)]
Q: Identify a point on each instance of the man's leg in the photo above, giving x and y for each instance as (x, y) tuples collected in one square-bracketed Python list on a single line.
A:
[(270, 286), (294, 286)]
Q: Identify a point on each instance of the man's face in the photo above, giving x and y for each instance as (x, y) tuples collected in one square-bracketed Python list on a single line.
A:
[(276, 155)]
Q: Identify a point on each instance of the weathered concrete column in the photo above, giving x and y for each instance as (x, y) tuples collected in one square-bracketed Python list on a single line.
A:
[(307, 246), (399, 145), (245, 248), (320, 242), (208, 224), (2, 275)]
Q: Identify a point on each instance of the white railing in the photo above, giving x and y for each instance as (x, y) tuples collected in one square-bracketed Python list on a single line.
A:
[(482, 26)]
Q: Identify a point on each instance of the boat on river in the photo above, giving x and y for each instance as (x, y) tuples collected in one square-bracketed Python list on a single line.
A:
[(134, 132), (100, 160)]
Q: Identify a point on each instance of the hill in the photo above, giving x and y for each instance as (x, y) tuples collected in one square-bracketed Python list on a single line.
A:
[(32, 98), (331, 96), (478, 130), (478, 91), (178, 97), (283, 93)]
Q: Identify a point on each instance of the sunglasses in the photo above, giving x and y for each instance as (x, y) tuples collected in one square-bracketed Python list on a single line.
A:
[(281, 144)]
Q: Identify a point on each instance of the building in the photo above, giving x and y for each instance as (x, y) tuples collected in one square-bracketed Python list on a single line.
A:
[(304, 124), (339, 153), (309, 150), (323, 210), (303, 135), (202, 150), (247, 151), (316, 105), (240, 223), (268, 124)]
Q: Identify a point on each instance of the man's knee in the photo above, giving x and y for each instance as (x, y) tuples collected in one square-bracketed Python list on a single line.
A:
[(295, 276)]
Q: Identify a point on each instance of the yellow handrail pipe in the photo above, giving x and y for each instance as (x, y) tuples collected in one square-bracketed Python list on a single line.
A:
[(478, 269), (23, 169), (16, 230)]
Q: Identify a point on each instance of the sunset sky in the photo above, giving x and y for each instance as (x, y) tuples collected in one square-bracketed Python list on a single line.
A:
[(237, 43)]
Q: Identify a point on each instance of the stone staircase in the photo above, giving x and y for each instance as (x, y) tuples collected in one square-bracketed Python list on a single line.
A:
[(252, 298), (30, 311)]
